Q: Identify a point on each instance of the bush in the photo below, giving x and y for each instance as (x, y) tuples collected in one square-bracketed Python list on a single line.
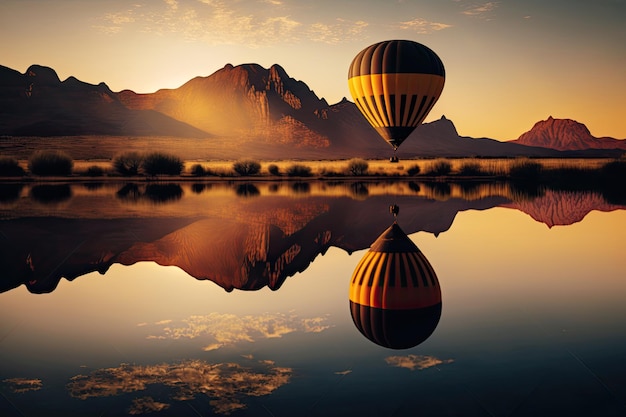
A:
[(298, 170), (247, 167), (128, 164), (471, 169), (9, 167), (94, 171), (198, 170), (50, 163), (273, 169), (413, 170), (526, 170), (357, 166), (158, 163), (440, 168)]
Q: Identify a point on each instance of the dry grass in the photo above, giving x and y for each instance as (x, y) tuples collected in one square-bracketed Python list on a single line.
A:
[(379, 167)]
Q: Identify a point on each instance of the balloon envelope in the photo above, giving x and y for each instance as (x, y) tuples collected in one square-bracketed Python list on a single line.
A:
[(395, 84), (395, 297)]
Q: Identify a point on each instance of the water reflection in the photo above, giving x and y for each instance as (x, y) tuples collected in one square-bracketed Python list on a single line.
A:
[(395, 297), (212, 233), (155, 193), (227, 384), (51, 193)]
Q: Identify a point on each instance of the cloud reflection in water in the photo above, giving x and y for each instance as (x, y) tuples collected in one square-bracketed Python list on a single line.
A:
[(413, 362), (227, 384), (227, 329)]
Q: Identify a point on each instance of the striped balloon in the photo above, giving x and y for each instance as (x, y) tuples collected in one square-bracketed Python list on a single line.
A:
[(395, 297), (395, 84)]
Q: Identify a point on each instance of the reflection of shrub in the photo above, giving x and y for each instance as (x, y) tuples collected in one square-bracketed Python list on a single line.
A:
[(50, 194), (198, 188), (9, 167), (157, 163), (440, 168), (357, 166), (162, 193), (129, 192), (614, 170), (359, 189), (10, 192), (247, 190), (413, 170), (273, 169), (247, 167), (198, 170), (298, 170), (50, 163), (128, 164), (301, 187)]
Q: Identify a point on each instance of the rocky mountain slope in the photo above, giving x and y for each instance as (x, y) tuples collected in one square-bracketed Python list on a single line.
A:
[(251, 111), (566, 135), (38, 103)]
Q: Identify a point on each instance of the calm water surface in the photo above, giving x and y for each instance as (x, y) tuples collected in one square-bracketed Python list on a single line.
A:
[(232, 299)]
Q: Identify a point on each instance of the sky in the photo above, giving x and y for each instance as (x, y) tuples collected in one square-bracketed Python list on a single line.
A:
[(509, 63)]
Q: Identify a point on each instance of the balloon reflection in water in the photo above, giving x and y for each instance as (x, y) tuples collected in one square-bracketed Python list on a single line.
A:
[(395, 297)]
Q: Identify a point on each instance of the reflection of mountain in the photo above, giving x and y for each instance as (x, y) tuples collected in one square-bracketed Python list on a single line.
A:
[(237, 242), (560, 208)]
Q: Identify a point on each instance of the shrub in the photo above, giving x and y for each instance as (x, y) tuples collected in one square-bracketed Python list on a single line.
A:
[(440, 168), (9, 167), (413, 170), (525, 170), (94, 171), (298, 170), (50, 163), (273, 169), (357, 166), (158, 163), (247, 167), (128, 164), (198, 170), (471, 169)]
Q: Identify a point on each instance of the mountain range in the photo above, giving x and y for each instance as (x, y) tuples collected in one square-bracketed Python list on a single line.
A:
[(262, 111)]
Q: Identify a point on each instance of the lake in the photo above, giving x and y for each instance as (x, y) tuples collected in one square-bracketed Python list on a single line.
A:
[(235, 298)]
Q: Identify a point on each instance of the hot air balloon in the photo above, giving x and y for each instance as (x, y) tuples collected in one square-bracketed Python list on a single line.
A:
[(395, 84), (395, 297)]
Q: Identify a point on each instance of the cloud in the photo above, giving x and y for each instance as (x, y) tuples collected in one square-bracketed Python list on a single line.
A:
[(219, 22), (20, 385), (481, 10), (340, 30), (227, 384), (422, 26), (229, 329), (413, 362)]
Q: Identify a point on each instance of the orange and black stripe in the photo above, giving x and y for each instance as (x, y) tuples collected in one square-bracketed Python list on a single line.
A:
[(394, 274), (395, 84)]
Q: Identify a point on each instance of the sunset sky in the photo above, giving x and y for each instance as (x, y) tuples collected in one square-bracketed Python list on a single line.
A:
[(509, 63)]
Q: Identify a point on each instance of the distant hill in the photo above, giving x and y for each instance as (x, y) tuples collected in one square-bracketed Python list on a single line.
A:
[(243, 110), (566, 135), (37, 103)]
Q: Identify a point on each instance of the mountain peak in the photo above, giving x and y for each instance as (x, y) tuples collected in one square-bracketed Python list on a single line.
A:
[(565, 135), (43, 75)]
